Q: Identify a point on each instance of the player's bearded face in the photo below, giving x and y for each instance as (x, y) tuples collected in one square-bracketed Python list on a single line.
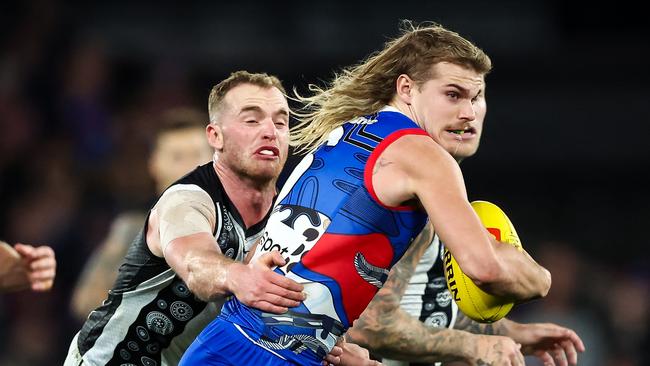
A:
[(255, 132), (451, 107)]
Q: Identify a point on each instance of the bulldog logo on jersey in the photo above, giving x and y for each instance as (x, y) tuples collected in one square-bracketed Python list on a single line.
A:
[(296, 229)]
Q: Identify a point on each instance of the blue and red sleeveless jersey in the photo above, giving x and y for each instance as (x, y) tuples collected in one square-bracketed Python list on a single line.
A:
[(338, 240)]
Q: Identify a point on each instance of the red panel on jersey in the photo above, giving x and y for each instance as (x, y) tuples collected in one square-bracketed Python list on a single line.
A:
[(333, 256)]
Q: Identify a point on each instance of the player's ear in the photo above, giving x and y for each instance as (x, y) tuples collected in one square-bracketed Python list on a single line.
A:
[(404, 86), (215, 135)]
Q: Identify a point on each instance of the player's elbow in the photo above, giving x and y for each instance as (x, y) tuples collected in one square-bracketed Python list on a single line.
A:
[(496, 278), (544, 282), (492, 275), (483, 271)]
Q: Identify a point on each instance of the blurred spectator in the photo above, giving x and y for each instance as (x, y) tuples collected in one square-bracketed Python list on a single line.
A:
[(179, 147), (83, 85), (24, 266), (84, 109), (628, 304), (569, 302)]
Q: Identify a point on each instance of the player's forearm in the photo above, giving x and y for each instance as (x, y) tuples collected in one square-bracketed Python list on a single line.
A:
[(207, 274), (504, 327), (388, 330), (465, 323), (405, 338), (521, 277)]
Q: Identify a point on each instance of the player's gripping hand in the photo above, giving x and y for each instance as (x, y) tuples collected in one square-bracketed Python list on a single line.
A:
[(495, 350), (256, 285), (40, 265), (552, 344), (349, 354)]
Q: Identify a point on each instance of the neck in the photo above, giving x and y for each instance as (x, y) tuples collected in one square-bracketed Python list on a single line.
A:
[(253, 198), (405, 109)]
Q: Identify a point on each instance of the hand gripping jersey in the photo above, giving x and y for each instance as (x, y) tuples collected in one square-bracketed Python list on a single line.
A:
[(338, 240), (151, 316)]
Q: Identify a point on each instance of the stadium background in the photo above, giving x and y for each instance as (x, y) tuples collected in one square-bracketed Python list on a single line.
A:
[(565, 142)]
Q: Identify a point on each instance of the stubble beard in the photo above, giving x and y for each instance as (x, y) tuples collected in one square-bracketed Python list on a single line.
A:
[(255, 171)]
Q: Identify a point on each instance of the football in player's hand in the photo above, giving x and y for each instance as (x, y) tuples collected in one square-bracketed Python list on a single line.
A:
[(471, 300)]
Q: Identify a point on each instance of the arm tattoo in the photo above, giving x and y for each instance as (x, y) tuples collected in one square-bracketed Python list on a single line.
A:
[(465, 323), (388, 330), (380, 164), (402, 272)]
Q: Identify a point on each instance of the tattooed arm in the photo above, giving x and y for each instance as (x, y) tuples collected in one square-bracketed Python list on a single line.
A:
[(467, 324), (549, 342), (388, 330)]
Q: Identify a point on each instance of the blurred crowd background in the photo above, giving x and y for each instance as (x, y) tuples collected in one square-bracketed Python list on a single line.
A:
[(565, 151)]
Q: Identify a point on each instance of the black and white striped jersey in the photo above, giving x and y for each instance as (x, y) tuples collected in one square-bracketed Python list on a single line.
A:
[(150, 316)]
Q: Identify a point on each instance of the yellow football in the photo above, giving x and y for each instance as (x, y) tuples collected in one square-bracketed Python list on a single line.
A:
[(471, 300)]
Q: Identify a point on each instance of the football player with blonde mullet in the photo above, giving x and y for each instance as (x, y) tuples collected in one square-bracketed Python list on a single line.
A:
[(379, 169)]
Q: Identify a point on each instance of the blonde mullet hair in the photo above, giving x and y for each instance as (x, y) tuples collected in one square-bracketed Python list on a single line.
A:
[(365, 88)]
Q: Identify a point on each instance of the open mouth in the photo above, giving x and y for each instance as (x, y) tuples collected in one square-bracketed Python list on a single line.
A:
[(462, 134), (270, 151)]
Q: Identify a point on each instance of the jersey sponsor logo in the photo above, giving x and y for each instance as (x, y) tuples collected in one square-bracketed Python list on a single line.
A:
[(299, 229)]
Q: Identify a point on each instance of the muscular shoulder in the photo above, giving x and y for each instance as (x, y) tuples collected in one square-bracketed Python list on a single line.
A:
[(183, 210), (418, 154), (405, 164), (185, 195)]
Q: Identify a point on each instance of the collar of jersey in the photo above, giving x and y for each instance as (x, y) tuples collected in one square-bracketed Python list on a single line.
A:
[(390, 108)]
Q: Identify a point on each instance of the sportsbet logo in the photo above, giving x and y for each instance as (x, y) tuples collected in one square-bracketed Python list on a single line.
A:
[(292, 230), (449, 272)]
